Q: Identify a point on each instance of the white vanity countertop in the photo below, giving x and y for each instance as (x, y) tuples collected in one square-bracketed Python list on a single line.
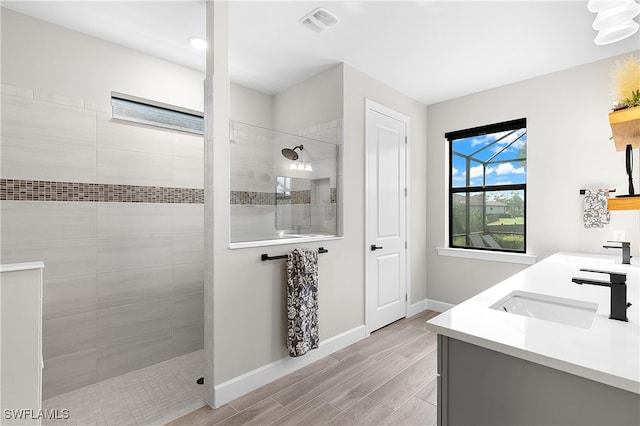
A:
[(607, 352)]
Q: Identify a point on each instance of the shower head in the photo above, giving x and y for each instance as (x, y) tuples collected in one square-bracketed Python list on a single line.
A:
[(290, 153)]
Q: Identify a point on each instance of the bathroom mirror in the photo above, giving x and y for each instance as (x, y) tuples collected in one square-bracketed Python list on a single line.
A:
[(283, 186)]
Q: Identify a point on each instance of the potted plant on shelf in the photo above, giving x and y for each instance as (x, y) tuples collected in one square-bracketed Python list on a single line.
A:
[(625, 117)]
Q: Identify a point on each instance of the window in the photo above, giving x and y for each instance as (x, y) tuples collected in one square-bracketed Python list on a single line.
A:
[(144, 111), (488, 186)]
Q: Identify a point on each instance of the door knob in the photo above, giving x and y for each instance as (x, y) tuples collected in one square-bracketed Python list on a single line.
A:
[(375, 247)]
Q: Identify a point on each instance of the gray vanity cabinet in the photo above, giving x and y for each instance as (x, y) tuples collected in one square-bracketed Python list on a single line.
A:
[(479, 386)]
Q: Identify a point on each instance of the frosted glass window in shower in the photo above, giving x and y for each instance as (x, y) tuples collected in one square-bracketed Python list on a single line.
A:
[(283, 186)]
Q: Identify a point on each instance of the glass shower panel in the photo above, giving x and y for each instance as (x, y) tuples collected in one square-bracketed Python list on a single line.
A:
[(283, 186)]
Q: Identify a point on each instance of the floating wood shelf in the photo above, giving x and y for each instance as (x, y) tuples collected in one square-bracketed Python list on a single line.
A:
[(624, 203), (625, 126)]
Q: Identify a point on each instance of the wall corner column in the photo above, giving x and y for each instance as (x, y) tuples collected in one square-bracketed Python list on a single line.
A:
[(216, 172)]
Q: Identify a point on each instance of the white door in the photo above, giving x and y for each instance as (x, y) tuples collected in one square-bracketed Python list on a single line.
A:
[(386, 282)]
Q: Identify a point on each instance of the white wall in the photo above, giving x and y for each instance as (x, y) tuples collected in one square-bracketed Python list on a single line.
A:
[(568, 149), (359, 86)]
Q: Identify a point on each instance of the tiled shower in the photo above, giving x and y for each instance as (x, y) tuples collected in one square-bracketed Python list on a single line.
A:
[(115, 211)]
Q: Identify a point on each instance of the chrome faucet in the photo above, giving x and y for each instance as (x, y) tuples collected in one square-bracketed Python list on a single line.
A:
[(618, 285), (626, 250)]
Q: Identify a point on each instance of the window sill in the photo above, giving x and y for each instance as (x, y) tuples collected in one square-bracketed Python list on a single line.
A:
[(521, 258)]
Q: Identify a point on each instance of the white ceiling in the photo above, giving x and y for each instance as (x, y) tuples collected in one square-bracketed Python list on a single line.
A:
[(429, 50)]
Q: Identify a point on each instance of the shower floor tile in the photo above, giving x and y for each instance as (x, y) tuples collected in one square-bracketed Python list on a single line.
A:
[(153, 395)]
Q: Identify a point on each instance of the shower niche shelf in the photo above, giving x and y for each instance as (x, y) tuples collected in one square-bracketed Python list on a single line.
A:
[(284, 185)]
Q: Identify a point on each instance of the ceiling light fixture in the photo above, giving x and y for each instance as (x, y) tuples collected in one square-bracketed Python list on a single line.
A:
[(614, 20), (319, 19), (197, 42)]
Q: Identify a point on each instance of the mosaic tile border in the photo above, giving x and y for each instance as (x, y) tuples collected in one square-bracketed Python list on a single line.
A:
[(254, 198), (40, 190)]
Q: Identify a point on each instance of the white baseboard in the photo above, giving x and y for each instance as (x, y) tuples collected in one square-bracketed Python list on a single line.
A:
[(241, 385), (416, 308), (425, 304), (436, 305)]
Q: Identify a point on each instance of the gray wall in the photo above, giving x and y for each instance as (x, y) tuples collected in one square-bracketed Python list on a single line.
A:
[(123, 282), (568, 149)]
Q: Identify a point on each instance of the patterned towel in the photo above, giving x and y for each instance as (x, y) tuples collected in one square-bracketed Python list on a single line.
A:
[(302, 301), (596, 212)]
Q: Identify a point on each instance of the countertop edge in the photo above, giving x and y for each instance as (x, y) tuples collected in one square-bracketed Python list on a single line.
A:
[(13, 267), (564, 366)]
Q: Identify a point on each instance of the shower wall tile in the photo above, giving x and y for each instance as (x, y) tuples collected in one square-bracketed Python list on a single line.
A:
[(188, 173), (124, 259), (255, 154), (129, 219), (26, 220), (55, 98), (133, 320), (67, 335), (252, 178), (188, 248), (134, 168), (35, 159), (188, 145), (9, 89), (188, 218), (62, 258), (121, 254), (135, 286), (47, 122), (69, 296), (65, 373), (121, 356), (187, 338), (188, 278), (188, 309), (118, 135)]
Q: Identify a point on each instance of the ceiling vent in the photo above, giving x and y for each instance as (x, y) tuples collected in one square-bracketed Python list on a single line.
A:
[(319, 19)]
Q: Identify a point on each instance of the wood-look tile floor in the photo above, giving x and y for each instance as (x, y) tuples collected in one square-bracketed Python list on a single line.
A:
[(388, 378)]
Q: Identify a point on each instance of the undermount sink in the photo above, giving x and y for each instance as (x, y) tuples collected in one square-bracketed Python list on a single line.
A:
[(549, 308)]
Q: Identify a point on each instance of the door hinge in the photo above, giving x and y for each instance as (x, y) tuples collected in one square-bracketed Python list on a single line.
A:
[(406, 297), (405, 244), (405, 139), (405, 192)]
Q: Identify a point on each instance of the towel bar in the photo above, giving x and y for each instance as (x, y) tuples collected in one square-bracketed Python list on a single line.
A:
[(583, 190), (265, 256)]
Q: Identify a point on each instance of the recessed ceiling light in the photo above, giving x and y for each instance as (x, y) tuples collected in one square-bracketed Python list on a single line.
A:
[(197, 42)]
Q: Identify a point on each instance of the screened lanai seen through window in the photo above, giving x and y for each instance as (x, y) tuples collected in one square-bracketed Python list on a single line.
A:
[(487, 192)]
